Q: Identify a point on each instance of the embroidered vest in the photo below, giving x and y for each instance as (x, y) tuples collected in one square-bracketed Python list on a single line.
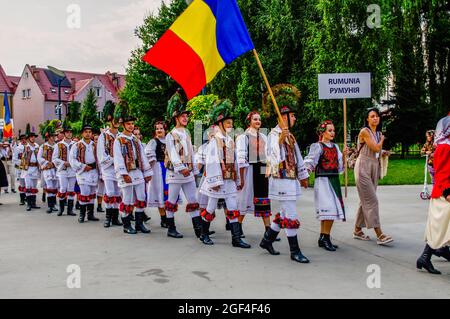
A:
[(185, 158), (109, 144), (62, 149), (227, 159), (126, 146), (255, 149), (82, 153), (47, 153), (26, 157), (287, 169), (328, 162)]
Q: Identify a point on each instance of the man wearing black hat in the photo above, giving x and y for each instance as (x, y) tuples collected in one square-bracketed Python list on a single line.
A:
[(132, 169), (45, 155), (180, 168), (17, 160), (83, 159), (65, 173), (30, 170), (287, 173)]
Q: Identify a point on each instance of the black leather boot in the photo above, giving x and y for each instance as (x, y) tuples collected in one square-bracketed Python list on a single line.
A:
[(100, 208), (90, 213), (227, 225), (197, 225), (443, 252), (50, 203), (83, 209), (33, 202), (108, 219), (172, 230), (70, 208), (77, 205), (269, 237), (204, 238), (132, 217), (115, 217), (276, 239), (163, 223), (23, 198), (296, 253), (140, 223), (145, 217), (241, 232), (29, 203), (236, 240), (44, 196), (325, 242), (127, 228), (424, 261), (62, 203)]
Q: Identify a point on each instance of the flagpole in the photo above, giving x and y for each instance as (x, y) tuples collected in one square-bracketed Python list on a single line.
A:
[(269, 88)]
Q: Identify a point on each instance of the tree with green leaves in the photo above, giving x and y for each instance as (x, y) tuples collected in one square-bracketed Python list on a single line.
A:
[(74, 114), (89, 111)]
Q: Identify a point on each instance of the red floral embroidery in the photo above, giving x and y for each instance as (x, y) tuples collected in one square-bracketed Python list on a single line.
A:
[(192, 207), (207, 216)]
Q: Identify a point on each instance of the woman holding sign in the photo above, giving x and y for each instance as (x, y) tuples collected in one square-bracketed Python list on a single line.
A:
[(367, 174)]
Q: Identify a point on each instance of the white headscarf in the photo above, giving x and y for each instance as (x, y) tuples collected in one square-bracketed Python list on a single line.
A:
[(442, 131)]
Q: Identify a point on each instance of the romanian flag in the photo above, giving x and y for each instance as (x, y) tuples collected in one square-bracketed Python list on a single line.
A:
[(7, 126), (208, 35)]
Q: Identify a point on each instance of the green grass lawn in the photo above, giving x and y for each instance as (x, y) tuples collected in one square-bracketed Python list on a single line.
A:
[(400, 172)]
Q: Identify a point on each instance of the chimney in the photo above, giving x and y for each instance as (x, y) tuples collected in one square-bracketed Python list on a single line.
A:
[(72, 84)]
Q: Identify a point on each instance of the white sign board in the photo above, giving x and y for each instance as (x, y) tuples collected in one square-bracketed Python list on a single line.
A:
[(344, 85)]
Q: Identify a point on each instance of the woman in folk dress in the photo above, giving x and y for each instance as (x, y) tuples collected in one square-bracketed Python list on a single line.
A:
[(325, 159), (157, 188), (253, 196)]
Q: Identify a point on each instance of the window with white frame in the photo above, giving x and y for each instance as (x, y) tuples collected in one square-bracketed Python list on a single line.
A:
[(24, 94), (98, 91), (28, 93)]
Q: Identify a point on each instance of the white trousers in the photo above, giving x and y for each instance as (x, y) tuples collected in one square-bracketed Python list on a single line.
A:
[(31, 185), (67, 185), (189, 190), (288, 209), (132, 195), (51, 184), (111, 190), (231, 203), (87, 193)]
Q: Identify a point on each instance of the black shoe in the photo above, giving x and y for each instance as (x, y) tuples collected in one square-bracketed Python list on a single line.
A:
[(115, 217), (269, 237), (6, 191), (23, 198), (443, 252), (140, 223), (29, 203), (44, 196), (13, 191), (90, 213), (296, 253), (424, 261), (172, 230), (163, 223), (236, 239), (100, 209), (108, 219), (62, 203), (241, 232), (204, 238), (325, 242), (70, 208), (127, 228), (33, 202), (83, 209), (197, 225)]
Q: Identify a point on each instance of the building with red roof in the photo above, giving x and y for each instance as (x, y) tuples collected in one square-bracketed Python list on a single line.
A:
[(36, 95)]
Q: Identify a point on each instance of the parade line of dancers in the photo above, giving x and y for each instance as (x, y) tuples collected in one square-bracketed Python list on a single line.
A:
[(241, 176)]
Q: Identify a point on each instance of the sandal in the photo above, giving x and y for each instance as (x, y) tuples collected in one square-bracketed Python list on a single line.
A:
[(361, 236), (384, 239)]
